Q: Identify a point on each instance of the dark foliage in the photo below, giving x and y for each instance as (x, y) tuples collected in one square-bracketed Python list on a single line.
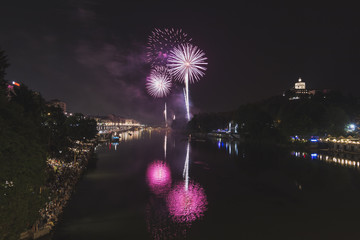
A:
[(277, 118), (30, 131)]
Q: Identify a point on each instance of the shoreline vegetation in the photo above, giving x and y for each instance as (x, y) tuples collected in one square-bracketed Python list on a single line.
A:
[(43, 153), (276, 120), (63, 178), (198, 136), (319, 147)]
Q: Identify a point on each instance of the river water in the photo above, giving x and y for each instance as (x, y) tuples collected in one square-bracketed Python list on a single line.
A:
[(155, 185)]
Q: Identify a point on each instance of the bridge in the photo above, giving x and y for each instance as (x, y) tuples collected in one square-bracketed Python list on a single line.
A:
[(112, 125), (109, 127), (112, 132)]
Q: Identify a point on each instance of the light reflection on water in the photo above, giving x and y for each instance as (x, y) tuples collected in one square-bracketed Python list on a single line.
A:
[(158, 177), (345, 160), (131, 135), (342, 159), (187, 203), (158, 186), (181, 203), (231, 146)]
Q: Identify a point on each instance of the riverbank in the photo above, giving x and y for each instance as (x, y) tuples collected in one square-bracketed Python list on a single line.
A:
[(299, 146), (63, 177)]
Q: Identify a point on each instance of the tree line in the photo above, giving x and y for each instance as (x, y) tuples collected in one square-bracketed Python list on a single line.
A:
[(31, 131), (277, 118)]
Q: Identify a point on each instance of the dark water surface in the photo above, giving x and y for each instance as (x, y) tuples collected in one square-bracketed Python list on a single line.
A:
[(147, 187)]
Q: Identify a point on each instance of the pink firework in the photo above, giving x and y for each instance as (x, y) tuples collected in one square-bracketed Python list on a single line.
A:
[(161, 42), (159, 82), (187, 205), (158, 176), (187, 61)]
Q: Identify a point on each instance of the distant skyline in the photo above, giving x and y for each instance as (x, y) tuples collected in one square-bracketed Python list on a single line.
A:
[(91, 54)]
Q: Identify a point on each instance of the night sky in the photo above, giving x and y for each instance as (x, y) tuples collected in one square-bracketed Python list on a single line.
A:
[(91, 54)]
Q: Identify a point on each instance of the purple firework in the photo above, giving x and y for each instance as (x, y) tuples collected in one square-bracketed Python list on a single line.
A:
[(161, 42)]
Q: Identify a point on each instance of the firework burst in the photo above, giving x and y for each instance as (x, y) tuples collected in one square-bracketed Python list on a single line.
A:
[(187, 60), (159, 82), (161, 42), (186, 63)]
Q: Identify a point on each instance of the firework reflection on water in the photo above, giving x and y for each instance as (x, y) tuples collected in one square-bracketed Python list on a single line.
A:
[(186, 206), (158, 177)]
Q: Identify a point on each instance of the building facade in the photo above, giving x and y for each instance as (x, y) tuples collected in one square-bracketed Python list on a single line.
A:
[(299, 91)]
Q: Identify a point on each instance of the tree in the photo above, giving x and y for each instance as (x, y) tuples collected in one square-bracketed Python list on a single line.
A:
[(206, 122), (30, 131), (58, 141), (256, 123), (80, 127), (22, 160), (3, 64)]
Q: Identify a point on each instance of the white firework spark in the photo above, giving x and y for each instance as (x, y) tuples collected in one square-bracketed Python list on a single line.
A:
[(186, 64), (187, 61), (159, 82), (161, 42)]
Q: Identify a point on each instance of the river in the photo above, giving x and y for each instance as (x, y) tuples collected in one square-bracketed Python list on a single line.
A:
[(156, 185)]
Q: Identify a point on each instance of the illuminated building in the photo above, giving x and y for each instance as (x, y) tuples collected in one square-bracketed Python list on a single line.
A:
[(299, 91), (300, 87), (114, 123)]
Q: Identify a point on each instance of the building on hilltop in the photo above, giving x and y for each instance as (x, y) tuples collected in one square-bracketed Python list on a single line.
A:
[(300, 87), (299, 91)]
